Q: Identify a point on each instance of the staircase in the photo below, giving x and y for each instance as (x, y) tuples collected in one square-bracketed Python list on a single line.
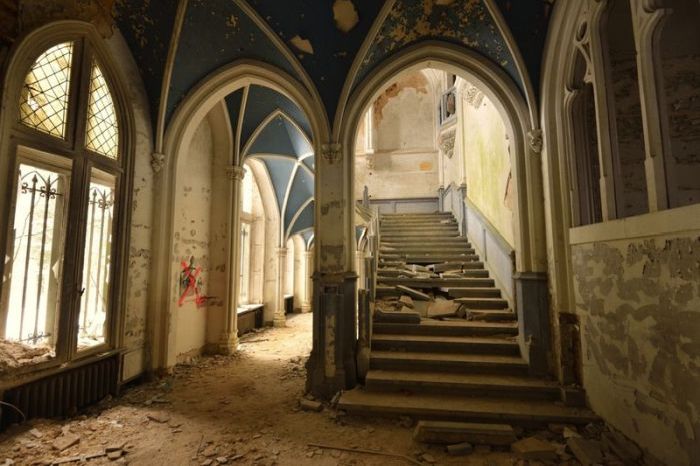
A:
[(462, 369)]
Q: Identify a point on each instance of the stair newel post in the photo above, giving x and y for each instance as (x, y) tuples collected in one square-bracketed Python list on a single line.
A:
[(364, 333)]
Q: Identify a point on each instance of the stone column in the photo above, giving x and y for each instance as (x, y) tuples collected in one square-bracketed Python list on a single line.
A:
[(229, 338), (308, 258), (279, 319)]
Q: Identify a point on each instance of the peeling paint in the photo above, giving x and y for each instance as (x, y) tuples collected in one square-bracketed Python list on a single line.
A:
[(640, 307)]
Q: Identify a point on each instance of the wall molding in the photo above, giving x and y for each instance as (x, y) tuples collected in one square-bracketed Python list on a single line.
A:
[(679, 221)]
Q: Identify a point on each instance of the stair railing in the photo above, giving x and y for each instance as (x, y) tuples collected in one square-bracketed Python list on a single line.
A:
[(367, 295)]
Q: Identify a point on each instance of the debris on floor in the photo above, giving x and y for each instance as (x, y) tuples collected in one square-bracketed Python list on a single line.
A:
[(245, 409), (14, 354)]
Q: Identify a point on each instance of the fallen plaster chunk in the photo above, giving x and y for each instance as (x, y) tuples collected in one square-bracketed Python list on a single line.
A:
[(588, 452), (449, 433), (532, 448), (345, 15), (622, 447), (309, 405), (65, 441), (460, 449), (303, 45), (406, 301)]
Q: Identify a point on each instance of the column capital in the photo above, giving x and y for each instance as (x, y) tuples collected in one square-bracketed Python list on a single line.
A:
[(534, 138), (235, 173), (332, 152), (157, 161)]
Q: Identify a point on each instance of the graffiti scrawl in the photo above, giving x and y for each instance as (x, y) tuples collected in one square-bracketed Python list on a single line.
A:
[(191, 283)]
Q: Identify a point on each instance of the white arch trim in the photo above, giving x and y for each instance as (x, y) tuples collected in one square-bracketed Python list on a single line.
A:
[(509, 101), (181, 129), (274, 114)]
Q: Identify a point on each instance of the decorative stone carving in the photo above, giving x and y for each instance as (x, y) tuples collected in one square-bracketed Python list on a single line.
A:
[(332, 152), (534, 139), (474, 97), (235, 173), (447, 143), (157, 161)]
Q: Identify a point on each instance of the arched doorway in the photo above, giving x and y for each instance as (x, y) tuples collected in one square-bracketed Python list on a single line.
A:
[(210, 104), (529, 271)]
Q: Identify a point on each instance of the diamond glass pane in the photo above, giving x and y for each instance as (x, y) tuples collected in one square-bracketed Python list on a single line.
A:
[(102, 132), (43, 101)]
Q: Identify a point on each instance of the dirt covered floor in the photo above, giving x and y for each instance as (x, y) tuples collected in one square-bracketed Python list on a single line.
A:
[(239, 410)]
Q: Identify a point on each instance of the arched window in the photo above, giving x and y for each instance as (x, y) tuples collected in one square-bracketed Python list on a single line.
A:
[(68, 159), (679, 53), (584, 164), (628, 135)]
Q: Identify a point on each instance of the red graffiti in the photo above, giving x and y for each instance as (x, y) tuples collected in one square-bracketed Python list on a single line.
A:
[(191, 282)]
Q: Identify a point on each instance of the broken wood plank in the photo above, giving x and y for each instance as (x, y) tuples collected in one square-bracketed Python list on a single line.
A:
[(413, 293), (367, 452)]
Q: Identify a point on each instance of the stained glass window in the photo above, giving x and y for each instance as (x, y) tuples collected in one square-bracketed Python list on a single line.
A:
[(102, 132), (44, 97)]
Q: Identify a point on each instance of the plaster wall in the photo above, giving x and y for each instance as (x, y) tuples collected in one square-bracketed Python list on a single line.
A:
[(404, 163), (639, 304), (452, 170), (192, 237), (219, 228), (486, 150), (139, 260)]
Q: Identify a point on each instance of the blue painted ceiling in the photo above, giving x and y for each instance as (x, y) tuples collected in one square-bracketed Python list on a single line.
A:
[(465, 22), (218, 32), (276, 132), (334, 50)]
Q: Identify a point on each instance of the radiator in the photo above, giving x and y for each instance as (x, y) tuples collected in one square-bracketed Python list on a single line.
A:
[(63, 393)]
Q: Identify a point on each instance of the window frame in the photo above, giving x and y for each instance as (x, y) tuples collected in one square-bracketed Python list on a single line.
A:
[(88, 47)]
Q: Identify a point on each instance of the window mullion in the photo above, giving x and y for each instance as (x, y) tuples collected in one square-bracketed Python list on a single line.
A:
[(73, 260), (74, 92), (81, 102)]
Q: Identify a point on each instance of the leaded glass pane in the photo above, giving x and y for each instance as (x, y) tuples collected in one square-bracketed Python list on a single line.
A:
[(44, 98), (102, 132)]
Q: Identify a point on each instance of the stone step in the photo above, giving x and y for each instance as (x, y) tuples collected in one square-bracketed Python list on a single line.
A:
[(440, 282), (419, 236), (426, 249), (507, 386), (483, 303), (484, 315), (458, 292), (424, 239), (428, 259), (418, 226), (444, 344), (418, 215), (410, 221), (437, 228), (474, 273), (386, 291), (448, 362), (463, 409), (449, 328), (463, 243)]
